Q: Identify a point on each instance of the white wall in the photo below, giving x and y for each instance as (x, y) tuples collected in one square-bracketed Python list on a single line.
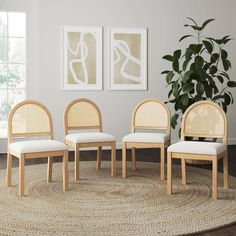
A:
[(164, 20)]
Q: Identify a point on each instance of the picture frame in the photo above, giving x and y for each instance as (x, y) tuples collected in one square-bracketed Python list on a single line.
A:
[(128, 58), (82, 58)]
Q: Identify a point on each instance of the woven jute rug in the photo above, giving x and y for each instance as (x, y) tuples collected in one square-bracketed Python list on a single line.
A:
[(99, 204)]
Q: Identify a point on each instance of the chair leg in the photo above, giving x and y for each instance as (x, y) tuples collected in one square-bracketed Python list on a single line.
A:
[(225, 170), (99, 157), (124, 160), (113, 159), (77, 159), (184, 175), (133, 158), (65, 171), (169, 173), (49, 174), (162, 160), (9, 169), (214, 178), (21, 176)]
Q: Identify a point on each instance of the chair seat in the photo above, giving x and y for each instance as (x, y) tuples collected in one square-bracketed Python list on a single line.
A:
[(90, 137), (207, 148), (30, 146), (146, 138)]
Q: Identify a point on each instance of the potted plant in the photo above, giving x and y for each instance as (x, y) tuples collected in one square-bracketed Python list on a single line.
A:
[(199, 72)]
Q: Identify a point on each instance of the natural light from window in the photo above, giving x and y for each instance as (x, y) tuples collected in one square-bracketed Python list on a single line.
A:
[(12, 63)]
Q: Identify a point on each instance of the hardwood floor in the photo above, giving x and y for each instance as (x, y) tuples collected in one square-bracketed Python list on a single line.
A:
[(149, 155)]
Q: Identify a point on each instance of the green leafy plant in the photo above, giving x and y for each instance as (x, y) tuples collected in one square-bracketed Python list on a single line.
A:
[(199, 72)]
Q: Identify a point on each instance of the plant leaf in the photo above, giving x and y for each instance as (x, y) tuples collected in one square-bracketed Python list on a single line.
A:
[(227, 98), (226, 64), (220, 78), (232, 99), (188, 53), (169, 94), (184, 99), (185, 64), (231, 84), (214, 57), (169, 76), (218, 41), (177, 54), (208, 90), (186, 76), (193, 20), (213, 70), (224, 54), (218, 97), (195, 48), (202, 73), (208, 46), (175, 88), (206, 66), (199, 62), (198, 47), (216, 90), (175, 66), (200, 89), (173, 120), (206, 23), (225, 75), (226, 41), (224, 106), (188, 87), (168, 57), (197, 28), (185, 36), (165, 72)]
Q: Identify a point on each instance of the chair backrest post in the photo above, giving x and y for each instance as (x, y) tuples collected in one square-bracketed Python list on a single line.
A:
[(29, 119), (204, 119), (151, 114), (82, 114)]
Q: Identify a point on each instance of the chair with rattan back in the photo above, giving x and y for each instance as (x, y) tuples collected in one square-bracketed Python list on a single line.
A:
[(31, 121), (83, 129), (203, 119), (150, 129)]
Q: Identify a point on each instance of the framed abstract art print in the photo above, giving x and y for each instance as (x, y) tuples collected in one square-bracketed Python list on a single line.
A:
[(82, 58), (128, 58)]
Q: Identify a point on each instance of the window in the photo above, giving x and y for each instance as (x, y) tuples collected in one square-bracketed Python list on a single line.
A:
[(12, 63)]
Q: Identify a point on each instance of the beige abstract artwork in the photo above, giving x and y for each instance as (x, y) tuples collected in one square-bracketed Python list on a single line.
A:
[(128, 59), (82, 60), (127, 67)]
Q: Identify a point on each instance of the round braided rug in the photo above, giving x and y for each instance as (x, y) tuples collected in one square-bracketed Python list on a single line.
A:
[(98, 204)]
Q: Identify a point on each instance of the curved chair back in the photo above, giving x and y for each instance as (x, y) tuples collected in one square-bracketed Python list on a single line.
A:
[(151, 114), (29, 118), (82, 114), (204, 119)]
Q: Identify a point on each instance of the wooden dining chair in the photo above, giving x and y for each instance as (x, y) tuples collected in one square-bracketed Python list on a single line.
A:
[(31, 121), (83, 128), (149, 115), (204, 119)]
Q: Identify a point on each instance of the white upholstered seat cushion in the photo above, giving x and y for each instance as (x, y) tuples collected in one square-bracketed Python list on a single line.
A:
[(37, 146), (208, 148), (90, 137), (146, 138)]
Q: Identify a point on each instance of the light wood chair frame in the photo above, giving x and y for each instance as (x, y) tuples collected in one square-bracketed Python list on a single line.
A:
[(33, 155), (213, 158), (99, 145), (134, 145)]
